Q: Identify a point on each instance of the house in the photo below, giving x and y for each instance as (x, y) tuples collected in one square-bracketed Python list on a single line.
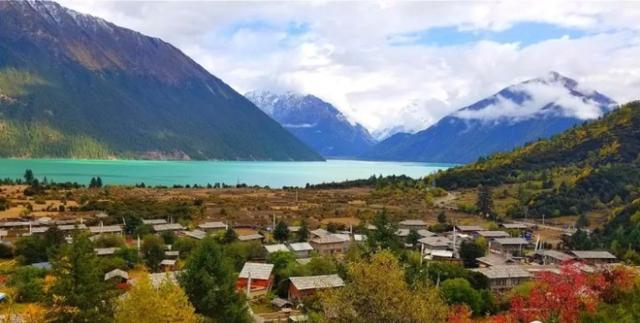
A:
[(38, 230), (330, 244), (251, 237), (256, 277), (491, 260), (517, 226), (319, 233), (436, 243), (195, 234), (168, 265), (212, 226), (302, 287), (593, 257), (168, 227), (119, 276), (42, 265), (426, 233), (272, 248), (154, 221), (301, 249), (294, 229), (115, 229), (509, 246), (105, 251), (490, 235), (547, 257), (72, 227), (469, 228), (504, 277), (172, 254), (441, 255), (413, 224)]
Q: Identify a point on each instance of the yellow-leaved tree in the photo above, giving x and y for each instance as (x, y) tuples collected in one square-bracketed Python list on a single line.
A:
[(144, 303), (376, 291)]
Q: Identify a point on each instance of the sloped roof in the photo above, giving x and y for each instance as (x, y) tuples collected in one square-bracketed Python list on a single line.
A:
[(300, 246), (494, 234), (154, 221), (511, 241), (257, 270), (555, 254), (317, 282), (436, 241), (168, 227), (320, 232), (105, 229), (196, 234), (116, 273), (504, 271), (255, 236), (593, 254), (276, 247), (212, 225), (328, 239), (470, 228)]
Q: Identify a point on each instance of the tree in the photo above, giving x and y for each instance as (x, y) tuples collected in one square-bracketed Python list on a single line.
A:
[(209, 282), (143, 303), (384, 235), (582, 221), (281, 232), (98, 182), (469, 251), (303, 233), (229, 236), (413, 237), (377, 292), (459, 291), (152, 251), (29, 284), (485, 200), (442, 217), (28, 176), (79, 293)]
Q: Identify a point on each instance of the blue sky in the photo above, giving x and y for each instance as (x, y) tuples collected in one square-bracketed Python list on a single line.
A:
[(524, 33)]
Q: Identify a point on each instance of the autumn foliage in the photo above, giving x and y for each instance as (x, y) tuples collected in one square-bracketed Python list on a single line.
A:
[(564, 297)]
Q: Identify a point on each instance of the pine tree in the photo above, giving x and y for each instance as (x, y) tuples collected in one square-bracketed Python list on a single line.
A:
[(209, 282), (152, 251), (28, 176), (485, 200), (281, 232), (303, 233), (582, 221), (229, 236), (442, 217), (98, 182), (79, 293), (413, 237)]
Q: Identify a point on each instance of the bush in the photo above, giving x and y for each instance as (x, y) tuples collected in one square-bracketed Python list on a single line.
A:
[(29, 284)]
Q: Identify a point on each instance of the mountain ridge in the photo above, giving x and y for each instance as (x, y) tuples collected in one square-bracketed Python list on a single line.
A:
[(315, 122), (520, 113), (72, 85)]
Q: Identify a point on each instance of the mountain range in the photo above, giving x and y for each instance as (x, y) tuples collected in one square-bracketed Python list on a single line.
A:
[(72, 85), (521, 113), (315, 122)]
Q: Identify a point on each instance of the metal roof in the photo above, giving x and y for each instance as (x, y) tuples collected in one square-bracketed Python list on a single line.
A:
[(276, 248), (168, 262), (328, 239), (414, 222), (154, 221), (105, 229), (555, 254), (168, 227), (105, 251), (515, 225), (511, 241), (116, 273), (255, 236), (468, 228), (317, 282), (320, 232), (69, 227), (593, 254), (504, 271), (494, 234), (196, 234), (300, 246), (257, 270), (493, 260), (436, 241), (212, 225)]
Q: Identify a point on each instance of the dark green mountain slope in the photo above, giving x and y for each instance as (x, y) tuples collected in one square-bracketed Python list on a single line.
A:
[(77, 86)]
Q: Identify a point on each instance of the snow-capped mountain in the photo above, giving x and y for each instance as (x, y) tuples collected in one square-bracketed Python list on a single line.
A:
[(518, 114), (315, 122)]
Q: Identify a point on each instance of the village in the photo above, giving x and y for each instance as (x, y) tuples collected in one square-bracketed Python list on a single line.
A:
[(512, 252)]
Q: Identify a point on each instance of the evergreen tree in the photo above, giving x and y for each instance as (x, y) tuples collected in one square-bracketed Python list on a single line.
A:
[(92, 183), (229, 236), (209, 282), (79, 293), (442, 217), (485, 200), (582, 221), (152, 251), (281, 232), (469, 251), (413, 237), (303, 233), (98, 182), (384, 235), (28, 176)]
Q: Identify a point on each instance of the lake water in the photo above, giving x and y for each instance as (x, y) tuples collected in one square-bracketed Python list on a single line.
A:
[(273, 174)]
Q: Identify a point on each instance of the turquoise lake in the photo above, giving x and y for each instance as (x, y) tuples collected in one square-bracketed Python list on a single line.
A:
[(273, 174)]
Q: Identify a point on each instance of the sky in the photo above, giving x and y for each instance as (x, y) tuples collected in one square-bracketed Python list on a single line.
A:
[(393, 65)]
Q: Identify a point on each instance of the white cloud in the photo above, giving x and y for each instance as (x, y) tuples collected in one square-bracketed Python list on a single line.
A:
[(343, 53)]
